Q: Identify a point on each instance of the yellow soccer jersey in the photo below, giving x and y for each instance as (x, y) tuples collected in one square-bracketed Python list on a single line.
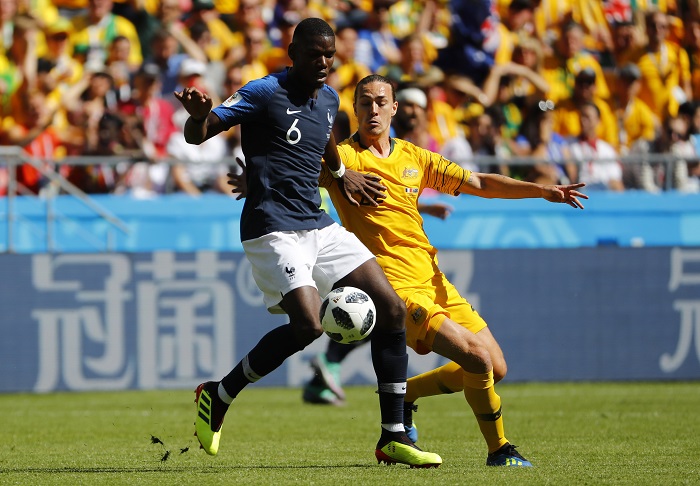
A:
[(393, 231)]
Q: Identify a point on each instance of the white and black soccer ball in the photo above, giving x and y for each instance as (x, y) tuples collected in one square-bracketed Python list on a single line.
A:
[(347, 315)]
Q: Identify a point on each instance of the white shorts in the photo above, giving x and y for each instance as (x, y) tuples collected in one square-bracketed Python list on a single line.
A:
[(285, 260)]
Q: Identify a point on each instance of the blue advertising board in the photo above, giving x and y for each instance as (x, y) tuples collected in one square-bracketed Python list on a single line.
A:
[(112, 321), (211, 222)]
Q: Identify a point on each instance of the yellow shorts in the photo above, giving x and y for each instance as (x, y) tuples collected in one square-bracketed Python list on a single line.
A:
[(429, 305)]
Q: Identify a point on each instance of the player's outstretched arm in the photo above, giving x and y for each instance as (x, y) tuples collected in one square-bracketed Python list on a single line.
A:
[(503, 187)]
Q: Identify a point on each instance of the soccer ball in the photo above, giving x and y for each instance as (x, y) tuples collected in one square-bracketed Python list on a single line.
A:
[(347, 315)]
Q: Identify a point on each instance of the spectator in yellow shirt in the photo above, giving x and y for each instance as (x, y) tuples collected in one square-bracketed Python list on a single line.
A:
[(66, 69), (256, 45), (224, 44), (516, 22), (567, 120), (561, 68), (636, 122), (692, 47), (626, 37), (446, 109), (665, 69), (94, 32)]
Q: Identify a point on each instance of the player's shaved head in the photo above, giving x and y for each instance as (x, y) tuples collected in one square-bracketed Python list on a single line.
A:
[(312, 27)]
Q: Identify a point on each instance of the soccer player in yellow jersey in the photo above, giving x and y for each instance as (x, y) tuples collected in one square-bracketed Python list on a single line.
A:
[(438, 318)]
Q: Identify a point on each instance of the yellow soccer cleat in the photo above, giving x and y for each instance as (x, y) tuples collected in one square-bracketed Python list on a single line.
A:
[(395, 452), (210, 417)]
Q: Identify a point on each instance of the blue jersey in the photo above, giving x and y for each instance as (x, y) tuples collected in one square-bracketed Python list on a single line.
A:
[(283, 137)]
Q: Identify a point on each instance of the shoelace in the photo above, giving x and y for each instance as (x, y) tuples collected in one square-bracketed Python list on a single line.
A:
[(510, 450)]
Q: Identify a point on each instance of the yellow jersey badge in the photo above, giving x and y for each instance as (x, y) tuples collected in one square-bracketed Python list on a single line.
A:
[(410, 173)]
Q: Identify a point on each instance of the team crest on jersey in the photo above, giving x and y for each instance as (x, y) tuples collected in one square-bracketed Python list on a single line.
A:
[(410, 173), (233, 99)]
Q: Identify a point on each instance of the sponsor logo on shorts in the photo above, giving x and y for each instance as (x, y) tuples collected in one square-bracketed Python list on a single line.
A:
[(418, 314)]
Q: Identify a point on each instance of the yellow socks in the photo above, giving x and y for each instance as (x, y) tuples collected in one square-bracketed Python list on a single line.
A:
[(478, 390), (445, 379), (486, 404)]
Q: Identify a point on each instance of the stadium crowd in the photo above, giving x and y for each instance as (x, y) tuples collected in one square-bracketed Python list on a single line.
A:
[(576, 86)]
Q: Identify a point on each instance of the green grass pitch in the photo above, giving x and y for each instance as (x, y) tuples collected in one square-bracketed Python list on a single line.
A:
[(574, 433)]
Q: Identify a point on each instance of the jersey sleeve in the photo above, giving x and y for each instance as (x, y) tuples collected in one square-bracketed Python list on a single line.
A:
[(248, 103), (441, 174)]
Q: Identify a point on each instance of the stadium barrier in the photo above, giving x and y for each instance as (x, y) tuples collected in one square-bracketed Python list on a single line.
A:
[(81, 222), (166, 319)]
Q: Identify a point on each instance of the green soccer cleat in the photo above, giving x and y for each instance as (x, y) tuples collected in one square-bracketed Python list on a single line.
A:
[(329, 373), (394, 452), (320, 395), (210, 417)]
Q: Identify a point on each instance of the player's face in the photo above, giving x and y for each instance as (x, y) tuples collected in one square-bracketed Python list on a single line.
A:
[(374, 108), (313, 59)]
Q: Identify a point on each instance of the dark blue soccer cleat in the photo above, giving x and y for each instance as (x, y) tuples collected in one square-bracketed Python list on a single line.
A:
[(507, 456)]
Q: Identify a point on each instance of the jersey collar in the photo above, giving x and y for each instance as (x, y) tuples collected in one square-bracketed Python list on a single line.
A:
[(356, 138)]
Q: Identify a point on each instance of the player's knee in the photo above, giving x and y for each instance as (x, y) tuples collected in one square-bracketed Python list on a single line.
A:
[(392, 316), (481, 355), (307, 332), (500, 368)]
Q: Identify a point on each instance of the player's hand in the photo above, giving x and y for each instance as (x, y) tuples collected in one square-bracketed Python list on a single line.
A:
[(197, 104), (238, 182), (565, 194), (362, 189), (437, 209)]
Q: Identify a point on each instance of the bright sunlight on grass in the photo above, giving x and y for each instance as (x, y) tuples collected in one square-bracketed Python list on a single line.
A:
[(612, 433)]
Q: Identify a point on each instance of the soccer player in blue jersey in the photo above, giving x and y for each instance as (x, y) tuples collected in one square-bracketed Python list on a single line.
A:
[(297, 252)]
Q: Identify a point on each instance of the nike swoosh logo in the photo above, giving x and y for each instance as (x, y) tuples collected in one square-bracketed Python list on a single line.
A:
[(291, 112)]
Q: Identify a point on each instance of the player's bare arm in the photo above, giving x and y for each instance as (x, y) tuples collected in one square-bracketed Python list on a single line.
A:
[(202, 124), (502, 187), (357, 188)]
